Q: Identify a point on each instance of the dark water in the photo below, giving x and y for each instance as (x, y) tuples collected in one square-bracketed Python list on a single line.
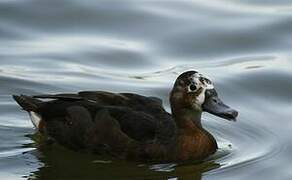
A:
[(141, 46)]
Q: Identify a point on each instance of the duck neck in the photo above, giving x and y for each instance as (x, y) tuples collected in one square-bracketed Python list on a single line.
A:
[(187, 118)]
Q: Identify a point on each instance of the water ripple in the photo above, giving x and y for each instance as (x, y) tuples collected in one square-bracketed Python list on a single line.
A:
[(141, 46)]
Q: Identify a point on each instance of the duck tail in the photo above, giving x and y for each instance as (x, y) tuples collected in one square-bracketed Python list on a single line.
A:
[(27, 103)]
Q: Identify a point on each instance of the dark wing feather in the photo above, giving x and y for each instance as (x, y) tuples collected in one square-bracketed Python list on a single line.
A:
[(70, 128), (105, 98), (59, 96), (137, 125), (139, 116), (79, 131), (149, 105)]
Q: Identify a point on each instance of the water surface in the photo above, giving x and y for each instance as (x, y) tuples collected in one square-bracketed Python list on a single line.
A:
[(141, 46)]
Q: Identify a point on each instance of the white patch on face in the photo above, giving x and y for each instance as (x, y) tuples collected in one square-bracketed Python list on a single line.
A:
[(201, 98), (203, 82), (207, 84)]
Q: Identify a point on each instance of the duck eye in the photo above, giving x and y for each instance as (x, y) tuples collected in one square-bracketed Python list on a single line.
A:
[(193, 87)]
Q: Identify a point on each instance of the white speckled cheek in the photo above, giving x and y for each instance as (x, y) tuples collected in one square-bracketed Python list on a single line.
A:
[(195, 78), (205, 85), (201, 98)]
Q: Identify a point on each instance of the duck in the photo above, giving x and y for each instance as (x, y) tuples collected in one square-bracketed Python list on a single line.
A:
[(132, 126)]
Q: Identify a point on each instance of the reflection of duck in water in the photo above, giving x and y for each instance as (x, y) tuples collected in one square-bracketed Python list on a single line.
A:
[(61, 163), (130, 125)]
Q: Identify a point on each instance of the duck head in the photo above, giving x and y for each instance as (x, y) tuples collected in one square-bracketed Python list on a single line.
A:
[(194, 93)]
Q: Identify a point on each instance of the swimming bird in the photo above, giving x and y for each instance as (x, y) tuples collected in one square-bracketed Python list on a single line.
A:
[(132, 126)]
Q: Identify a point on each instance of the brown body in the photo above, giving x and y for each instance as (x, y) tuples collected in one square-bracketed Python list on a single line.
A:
[(195, 144)]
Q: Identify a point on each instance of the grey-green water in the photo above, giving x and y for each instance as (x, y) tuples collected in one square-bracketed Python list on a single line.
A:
[(49, 46)]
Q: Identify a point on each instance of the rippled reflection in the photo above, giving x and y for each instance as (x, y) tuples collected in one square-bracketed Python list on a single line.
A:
[(141, 46), (65, 164)]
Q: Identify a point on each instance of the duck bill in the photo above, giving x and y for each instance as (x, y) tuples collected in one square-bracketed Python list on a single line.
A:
[(215, 106)]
